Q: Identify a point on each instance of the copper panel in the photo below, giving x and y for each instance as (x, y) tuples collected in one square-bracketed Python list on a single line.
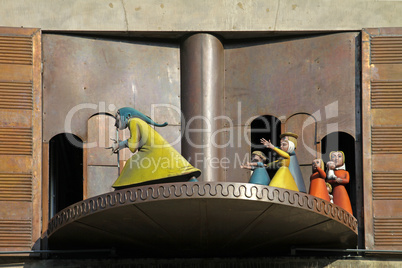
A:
[(386, 139), (388, 233), (305, 126), (16, 95), (387, 185), (386, 94), (100, 179), (386, 31), (18, 73), (101, 164), (37, 139), (85, 76), (385, 163), (385, 72), (45, 186), (15, 234), (283, 77), (20, 138), (142, 221), (15, 118), (15, 141), (16, 50), (386, 49), (101, 130), (16, 163), (366, 144), (238, 152), (15, 187), (386, 117), (385, 207), (15, 226)]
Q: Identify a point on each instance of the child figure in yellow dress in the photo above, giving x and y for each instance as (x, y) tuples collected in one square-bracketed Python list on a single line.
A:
[(155, 160), (283, 178)]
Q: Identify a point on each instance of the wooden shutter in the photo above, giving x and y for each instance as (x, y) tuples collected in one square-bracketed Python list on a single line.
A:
[(382, 137), (20, 139)]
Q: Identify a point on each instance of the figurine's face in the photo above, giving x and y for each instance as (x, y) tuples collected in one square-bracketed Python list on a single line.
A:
[(119, 124), (316, 163), (337, 157), (331, 164), (284, 145)]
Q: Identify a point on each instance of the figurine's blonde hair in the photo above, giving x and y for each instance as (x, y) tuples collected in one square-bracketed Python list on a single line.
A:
[(260, 154), (329, 187)]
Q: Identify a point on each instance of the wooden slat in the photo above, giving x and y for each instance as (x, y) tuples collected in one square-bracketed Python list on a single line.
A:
[(386, 139), (388, 231), (387, 185), (15, 141), (386, 49), (16, 187), (16, 50), (386, 94), (15, 233)]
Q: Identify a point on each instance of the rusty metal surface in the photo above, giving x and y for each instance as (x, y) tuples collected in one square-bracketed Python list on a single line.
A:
[(382, 126), (202, 84), (84, 76), (202, 219), (283, 77), (101, 130), (20, 139), (101, 164)]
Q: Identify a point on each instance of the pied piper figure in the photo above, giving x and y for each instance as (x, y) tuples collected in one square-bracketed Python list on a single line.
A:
[(283, 178), (340, 195), (155, 160), (294, 166)]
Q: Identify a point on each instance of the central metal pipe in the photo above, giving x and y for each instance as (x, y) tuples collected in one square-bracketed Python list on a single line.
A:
[(202, 104)]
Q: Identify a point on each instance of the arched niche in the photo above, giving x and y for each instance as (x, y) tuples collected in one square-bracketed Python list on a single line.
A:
[(305, 126), (65, 171), (269, 128), (341, 141)]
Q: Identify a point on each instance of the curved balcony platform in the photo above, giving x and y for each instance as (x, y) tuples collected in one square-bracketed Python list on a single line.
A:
[(202, 219)]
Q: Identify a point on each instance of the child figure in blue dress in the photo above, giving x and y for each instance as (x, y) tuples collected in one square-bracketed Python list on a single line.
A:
[(260, 174)]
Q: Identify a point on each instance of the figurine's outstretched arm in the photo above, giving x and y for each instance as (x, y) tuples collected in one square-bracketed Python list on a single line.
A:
[(117, 146)]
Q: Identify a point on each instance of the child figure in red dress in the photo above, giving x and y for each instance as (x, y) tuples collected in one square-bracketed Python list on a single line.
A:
[(318, 187), (341, 197)]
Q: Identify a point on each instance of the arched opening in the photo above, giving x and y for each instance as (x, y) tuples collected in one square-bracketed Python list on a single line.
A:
[(65, 171), (269, 128), (341, 141)]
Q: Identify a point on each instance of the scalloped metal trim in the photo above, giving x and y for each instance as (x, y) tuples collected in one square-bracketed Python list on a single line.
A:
[(244, 191)]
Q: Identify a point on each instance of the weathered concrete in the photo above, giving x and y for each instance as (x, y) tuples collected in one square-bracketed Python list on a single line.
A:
[(234, 16)]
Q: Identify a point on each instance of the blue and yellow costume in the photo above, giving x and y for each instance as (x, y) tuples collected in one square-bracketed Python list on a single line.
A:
[(283, 178)]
